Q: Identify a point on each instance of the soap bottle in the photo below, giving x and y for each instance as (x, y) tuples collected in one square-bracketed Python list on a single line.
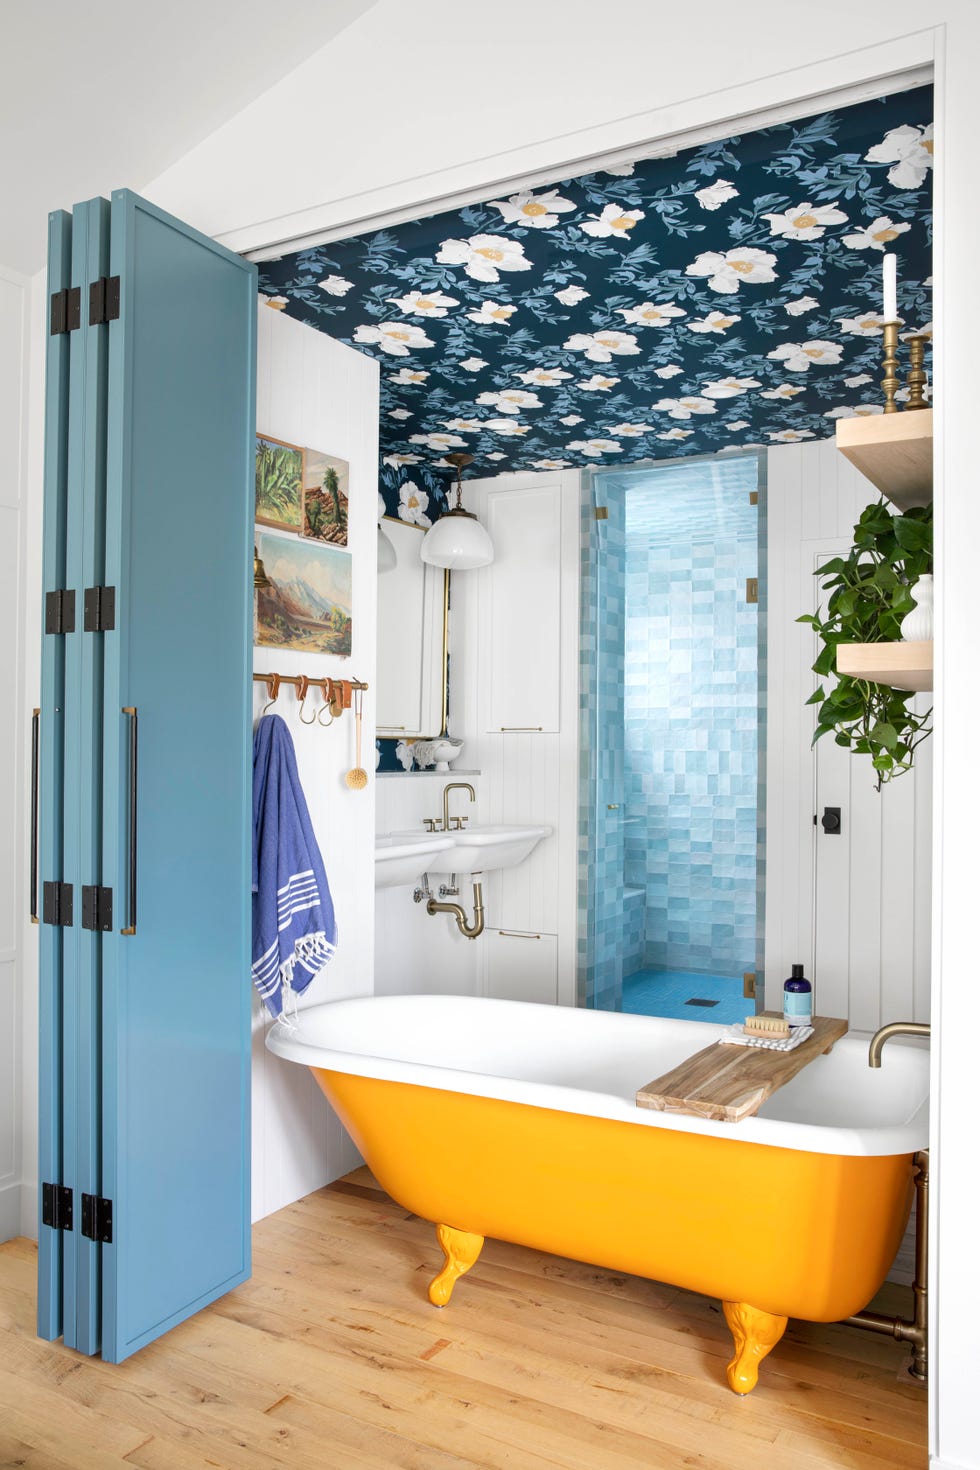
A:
[(798, 999)]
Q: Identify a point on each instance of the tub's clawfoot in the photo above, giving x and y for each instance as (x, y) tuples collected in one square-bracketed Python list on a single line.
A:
[(462, 1250), (756, 1333)]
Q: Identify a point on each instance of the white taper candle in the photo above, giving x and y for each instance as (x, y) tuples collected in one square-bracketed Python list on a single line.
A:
[(889, 280)]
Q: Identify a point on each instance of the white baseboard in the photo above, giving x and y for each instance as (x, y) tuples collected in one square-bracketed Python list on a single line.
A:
[(28, 1210), (935, 1464), (10, 1211)]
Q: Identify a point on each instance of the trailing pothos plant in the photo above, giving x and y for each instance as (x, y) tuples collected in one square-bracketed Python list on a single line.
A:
[(871, 590)]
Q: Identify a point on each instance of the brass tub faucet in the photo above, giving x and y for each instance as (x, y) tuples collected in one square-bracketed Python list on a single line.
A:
[(894, 1028)]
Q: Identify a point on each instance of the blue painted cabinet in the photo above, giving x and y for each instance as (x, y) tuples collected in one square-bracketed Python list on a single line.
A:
[(145, 807)]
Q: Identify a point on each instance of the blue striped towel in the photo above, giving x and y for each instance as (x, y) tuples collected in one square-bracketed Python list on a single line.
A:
[(294, 932)]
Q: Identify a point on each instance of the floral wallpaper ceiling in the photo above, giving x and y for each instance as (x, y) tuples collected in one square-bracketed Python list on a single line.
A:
[(727, 296)]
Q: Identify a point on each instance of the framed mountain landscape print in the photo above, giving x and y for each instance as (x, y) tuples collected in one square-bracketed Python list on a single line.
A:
[(307, 603), (325, 491)]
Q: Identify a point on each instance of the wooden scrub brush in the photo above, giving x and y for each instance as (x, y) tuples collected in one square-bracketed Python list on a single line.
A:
[(772, 1028)]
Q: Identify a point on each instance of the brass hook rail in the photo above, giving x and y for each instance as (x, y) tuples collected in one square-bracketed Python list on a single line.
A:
[(337, 693)]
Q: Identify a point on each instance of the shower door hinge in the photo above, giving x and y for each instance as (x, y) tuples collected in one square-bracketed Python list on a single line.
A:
[(66, 310), (601, 513), (59, 612), (753, 497), (97, 1218), (56, 1206), (57, 905), (752, 589), (96, 907), (99, 609), (103, 300)]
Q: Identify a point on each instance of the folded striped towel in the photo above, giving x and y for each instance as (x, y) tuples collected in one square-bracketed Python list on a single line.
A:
[(735, 1036), (294, 932)]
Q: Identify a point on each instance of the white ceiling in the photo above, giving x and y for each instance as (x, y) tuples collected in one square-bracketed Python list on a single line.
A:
[(105, 95)]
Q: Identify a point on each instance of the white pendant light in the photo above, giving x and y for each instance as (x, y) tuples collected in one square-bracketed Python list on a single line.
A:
[(387, 560), (457, 540)]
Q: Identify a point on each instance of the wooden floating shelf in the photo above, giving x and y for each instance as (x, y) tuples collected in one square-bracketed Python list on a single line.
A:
[(899, 665), (894, 451)]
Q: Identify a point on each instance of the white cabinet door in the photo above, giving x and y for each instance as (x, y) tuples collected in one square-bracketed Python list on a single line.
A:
[(411, 658), (522, 966), (523, 628)]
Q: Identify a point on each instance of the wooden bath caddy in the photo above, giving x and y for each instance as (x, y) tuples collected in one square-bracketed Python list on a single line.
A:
[(728, 1083)]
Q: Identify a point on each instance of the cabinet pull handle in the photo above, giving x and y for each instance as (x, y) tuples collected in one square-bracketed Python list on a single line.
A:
[(35, 769), (133, 755), (521, 729), (516, 934)]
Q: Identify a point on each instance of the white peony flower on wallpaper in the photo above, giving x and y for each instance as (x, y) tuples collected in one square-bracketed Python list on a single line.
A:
[(789, 436), (649, 315), (540, 211), (806, 221), (493, 314), (396, 461), (570, 295), (735, 424), (408, 375), (398, 338), (400, 413), (629, 431), (464, 426), (712, 196), (551, 464), (544, 377), (423, 303), (858, 381), (595, 447), (413, 504), (729, 387), (473, 364), (484, 256), (571, 419), (596, 384), (676, 434), (614, 220), (439, 441), (621, 170), (855, 411), (496, 454), (785, 390), (715, 321), (800, 305), (734, 268), (683, 408), (798, 356), (511, 400), (505, 427), (603, 346), (910, 149), (877, 235), (868, 324), (335, 285), (670, 371)]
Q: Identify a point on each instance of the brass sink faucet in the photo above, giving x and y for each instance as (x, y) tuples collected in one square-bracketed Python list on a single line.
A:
[(431, 824)]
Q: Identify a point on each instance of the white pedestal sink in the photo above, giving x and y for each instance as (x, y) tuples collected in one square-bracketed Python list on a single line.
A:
[(478, 849), (402, 857)]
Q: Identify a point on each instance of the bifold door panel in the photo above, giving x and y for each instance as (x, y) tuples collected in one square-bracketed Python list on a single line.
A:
[(155, 809)]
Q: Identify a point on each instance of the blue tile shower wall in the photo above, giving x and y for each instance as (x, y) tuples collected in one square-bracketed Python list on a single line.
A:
[(691, 720)]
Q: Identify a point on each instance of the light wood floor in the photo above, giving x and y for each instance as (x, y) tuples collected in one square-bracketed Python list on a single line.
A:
[(331, 1358)]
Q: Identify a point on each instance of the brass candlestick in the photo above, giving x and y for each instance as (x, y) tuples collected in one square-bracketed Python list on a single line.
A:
[(890, 382), (916, 378)]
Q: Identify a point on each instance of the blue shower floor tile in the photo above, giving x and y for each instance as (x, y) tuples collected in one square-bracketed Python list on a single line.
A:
[(665, 993)]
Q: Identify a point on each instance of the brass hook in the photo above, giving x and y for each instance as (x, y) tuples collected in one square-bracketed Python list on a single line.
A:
[(302, 689), (272, 684)]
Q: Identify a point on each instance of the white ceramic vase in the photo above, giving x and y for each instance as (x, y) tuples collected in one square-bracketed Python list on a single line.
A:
[(917, 625)]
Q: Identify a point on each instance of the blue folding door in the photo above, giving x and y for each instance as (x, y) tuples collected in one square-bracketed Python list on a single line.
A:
[(155, 996)]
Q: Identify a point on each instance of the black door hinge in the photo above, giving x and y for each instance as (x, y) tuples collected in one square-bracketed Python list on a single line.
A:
[(96, 907), (59, 612), (103, 300), (66, 310), (99, 609), (57, 905), (97, 1218), (56, 1206)]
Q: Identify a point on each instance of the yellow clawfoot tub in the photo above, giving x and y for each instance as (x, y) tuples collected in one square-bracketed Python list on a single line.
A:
[(517, 1122)]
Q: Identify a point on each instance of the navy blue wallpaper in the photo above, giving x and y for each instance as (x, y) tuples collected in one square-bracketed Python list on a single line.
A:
[(727, 296)]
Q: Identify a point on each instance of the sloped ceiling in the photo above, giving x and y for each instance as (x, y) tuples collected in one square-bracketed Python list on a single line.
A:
[(724, 297)]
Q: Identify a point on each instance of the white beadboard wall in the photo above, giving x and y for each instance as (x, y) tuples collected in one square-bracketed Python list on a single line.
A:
[(314, 391), (14, 303), (855, 908), (523, 778)]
